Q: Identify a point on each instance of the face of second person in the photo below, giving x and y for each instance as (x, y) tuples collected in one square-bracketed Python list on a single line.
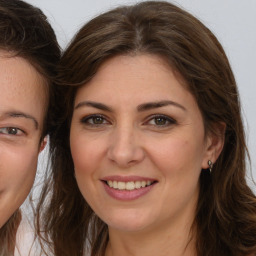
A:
[(138, 144), (22, 110)]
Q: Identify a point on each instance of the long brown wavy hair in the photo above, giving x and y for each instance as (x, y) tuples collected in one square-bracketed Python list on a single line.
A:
[(25, 32), (225, 221)]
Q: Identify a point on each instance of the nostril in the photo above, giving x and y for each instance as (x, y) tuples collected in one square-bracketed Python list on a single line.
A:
[(125, 156), (126, 151)]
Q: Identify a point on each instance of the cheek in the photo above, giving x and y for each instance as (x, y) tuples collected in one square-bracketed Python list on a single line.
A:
[(17, 173), (86, 158), (19, 167), (178, 163), (178, 157), (85, 153)]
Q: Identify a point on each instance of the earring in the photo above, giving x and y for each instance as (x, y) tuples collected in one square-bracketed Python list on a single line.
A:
[(210, 165)]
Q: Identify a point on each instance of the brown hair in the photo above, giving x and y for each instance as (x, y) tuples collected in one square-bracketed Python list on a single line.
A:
[(25, 32), (225, 221)]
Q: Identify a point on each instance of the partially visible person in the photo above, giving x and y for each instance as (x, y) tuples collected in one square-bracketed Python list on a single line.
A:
[(29, 53), (148, 148)]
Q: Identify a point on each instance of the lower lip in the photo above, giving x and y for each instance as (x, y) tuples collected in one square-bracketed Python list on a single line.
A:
[(127, 195)]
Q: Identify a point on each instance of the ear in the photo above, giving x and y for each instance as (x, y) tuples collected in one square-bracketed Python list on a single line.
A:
[(43, 144), (214, 144)]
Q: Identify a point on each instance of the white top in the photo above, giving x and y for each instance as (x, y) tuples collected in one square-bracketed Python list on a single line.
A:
[(25, 245)]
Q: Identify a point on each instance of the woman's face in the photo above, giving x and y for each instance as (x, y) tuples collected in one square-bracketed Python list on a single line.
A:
[(22, 110), (138, 144)]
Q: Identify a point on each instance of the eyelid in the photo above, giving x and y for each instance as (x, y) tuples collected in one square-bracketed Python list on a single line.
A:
[(84, 120), (169, 119), (11, 127)]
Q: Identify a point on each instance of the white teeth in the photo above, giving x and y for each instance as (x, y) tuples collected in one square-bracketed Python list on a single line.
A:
[(115, 184), (137, 184), (130, 185), (121, 185)]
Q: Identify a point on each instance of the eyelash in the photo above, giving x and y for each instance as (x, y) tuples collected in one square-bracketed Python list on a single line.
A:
[(86, 120), (8, 131), (167, 121)]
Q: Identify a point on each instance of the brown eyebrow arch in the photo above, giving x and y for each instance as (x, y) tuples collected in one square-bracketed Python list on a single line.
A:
[(22, 115), (140, 108), (159, 104), (94, 105)]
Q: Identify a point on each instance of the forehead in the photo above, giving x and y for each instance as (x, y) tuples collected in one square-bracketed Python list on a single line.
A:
[(141, 74), (22, 87), (140, 65)]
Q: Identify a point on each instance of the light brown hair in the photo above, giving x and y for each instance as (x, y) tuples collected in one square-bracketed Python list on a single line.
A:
[(26, 32), (225, 221)]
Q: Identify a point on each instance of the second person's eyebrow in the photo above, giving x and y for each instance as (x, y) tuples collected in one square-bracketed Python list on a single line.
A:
[(159, 104), (94, 105), (142, 107)]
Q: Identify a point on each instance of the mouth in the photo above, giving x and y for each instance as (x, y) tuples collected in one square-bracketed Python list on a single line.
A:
[(127, 188), (130, 185)]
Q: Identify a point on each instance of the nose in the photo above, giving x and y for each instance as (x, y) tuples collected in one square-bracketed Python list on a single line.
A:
[(125, 149)]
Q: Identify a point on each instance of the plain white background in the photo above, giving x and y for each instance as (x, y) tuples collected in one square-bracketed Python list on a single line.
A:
[(232, 21)]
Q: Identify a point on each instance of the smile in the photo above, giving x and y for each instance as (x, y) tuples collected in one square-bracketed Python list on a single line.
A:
[(127, 188), (130, 185)]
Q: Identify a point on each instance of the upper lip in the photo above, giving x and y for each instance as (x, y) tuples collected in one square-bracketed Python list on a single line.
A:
[(127, 178)]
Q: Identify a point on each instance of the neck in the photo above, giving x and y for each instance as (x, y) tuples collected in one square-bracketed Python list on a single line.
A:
[(174, 240)]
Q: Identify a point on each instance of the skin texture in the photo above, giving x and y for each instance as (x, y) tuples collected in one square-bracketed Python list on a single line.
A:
[(129, 140), (22, 110)]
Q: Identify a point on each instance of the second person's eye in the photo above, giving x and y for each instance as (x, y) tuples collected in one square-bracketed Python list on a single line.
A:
[(97, 120), (161, 121), (94, 120)]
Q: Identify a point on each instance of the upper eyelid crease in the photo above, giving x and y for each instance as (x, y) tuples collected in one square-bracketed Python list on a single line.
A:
[(92, 116), (162, 116)]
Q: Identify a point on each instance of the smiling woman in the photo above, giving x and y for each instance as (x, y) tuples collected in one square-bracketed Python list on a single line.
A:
[(28, 54), (143, 139), (148, 148)]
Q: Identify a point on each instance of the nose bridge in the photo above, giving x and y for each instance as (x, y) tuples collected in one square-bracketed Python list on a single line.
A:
[(125, 148)]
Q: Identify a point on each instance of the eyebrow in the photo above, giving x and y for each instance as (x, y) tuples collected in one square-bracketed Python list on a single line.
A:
[(140, 108), (94, 105), (16, 114), (159, 104)]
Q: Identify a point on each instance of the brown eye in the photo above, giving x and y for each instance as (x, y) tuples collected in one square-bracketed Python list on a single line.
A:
[(94, 120), (10, 131), (160, 121), (97, 120)]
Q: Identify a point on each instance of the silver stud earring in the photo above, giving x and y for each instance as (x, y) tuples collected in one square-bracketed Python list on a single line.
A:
[(210, 165)]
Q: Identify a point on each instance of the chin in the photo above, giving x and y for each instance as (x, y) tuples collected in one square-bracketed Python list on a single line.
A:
[(127, 227), (128, 222)]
